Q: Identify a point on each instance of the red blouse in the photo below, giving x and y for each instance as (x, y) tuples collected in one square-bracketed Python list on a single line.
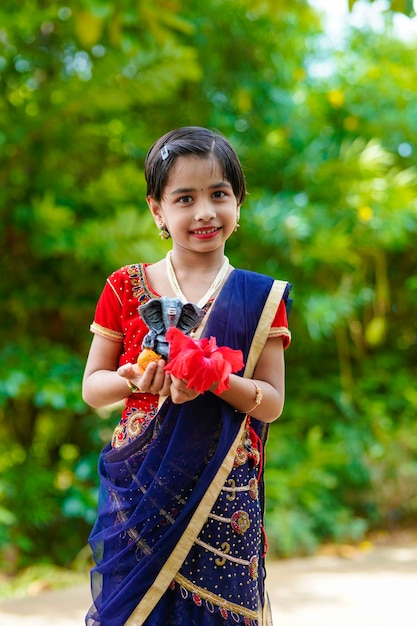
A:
[(117, 318)]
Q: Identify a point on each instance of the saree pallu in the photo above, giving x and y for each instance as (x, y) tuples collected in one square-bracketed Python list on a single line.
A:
[(170, 529)]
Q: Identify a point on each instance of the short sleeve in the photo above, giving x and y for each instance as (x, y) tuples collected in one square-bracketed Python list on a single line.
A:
[(279, 327), (108, 320)]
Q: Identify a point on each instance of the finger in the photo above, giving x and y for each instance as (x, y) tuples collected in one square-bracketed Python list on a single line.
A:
[(180, 395), (178, 398), (144, 381), (166, 387), (126, 371), (180, 384), (158, 378)]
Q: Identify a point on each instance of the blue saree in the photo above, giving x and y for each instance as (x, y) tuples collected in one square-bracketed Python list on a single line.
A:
[(178, 538)]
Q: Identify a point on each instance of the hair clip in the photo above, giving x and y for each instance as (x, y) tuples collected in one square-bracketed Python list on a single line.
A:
[(164, 153)]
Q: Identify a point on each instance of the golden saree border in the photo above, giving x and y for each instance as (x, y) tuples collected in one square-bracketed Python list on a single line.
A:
[(184, 545), (264, 326), (217, 600), (178, 555)]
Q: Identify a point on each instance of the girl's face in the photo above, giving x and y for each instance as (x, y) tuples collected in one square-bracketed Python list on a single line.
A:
[(198, 207)]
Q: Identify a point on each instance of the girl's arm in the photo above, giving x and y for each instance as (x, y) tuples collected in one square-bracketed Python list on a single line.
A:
[(269, 377), (104, 384)]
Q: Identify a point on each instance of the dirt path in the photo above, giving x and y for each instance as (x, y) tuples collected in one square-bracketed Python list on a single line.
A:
[(375, 588), (361, 588)]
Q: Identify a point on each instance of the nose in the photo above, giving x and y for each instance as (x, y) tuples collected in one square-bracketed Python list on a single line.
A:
[(204, 210)]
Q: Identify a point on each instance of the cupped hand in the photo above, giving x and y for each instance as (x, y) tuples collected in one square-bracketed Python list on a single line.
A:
[(153, 380), (180, 393)]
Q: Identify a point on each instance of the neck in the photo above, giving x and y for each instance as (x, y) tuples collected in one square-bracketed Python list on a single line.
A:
[(196, 284), (198, 263)]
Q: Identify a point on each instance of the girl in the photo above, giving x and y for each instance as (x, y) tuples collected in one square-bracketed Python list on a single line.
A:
[(179, 537)]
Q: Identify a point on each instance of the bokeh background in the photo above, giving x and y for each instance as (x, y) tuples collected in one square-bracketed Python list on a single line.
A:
[(319, 99)]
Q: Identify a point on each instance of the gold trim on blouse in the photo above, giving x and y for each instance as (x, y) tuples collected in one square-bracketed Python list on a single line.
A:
[(106, 332)]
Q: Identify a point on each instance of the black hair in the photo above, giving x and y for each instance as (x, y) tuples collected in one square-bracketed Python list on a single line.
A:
[(197, 141)]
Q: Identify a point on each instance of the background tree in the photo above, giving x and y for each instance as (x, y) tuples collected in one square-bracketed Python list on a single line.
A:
[(327, 140)]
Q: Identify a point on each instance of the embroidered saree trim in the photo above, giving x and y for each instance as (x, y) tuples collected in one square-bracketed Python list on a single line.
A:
[(240, 488), (217, 600), (224, 555), (264, 326), (178, 555)]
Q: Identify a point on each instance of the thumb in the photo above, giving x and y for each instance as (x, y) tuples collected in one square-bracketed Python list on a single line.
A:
[(125, 370)]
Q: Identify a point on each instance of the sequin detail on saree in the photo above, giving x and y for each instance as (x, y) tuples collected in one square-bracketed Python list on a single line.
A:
[(220, 574)]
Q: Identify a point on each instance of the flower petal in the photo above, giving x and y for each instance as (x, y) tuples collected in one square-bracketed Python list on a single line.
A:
[(201, 362)]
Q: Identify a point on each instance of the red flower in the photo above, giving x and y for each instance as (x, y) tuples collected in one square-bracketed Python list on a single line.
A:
[(201, 362)]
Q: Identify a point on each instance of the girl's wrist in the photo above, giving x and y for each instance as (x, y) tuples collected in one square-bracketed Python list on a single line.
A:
[(235, 395), (133, 388)]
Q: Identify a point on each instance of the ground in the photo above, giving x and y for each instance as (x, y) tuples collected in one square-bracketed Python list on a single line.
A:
[(367, 585)]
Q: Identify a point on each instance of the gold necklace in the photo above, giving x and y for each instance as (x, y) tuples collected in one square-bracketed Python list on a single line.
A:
[(173, 281)]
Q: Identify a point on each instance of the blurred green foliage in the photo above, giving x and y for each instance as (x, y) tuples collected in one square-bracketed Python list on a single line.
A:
[(327, 138)]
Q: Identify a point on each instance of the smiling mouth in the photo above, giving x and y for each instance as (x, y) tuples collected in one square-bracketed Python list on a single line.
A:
[(205, 231)]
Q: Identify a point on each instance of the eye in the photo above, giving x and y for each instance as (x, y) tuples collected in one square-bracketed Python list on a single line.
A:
[(185, 199), (219, 194)]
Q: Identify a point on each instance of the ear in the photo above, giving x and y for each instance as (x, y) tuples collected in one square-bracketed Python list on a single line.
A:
[(155, 209)]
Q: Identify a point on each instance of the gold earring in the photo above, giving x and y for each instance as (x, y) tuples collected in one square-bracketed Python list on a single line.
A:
[(237, 225), (164, 232)]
